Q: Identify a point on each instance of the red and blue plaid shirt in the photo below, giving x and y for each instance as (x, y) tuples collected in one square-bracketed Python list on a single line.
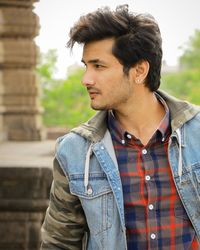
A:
[(154, 215)]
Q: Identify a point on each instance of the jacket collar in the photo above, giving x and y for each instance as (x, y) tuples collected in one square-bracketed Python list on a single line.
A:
[(180, 112), (95, 128)]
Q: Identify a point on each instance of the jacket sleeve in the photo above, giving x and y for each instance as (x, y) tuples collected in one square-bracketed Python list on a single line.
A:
[(64, 224)]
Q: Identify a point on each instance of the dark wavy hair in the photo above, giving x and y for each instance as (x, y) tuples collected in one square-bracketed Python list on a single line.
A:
[(137, 38)]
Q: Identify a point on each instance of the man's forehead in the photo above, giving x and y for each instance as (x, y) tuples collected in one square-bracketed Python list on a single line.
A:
[(97, 50), (105, 44)]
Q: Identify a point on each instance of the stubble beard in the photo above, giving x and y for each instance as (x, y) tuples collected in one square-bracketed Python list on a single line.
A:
[(116, 102), (115, 105), (99, 107)]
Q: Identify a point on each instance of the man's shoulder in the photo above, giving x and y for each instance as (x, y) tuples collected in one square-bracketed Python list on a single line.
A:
[(195, 120), (70, 149), (70, 139)]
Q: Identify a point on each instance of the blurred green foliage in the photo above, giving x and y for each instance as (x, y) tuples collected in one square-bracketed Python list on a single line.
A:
[(190, 58), (47, 68), (185, 84), (66, 102)]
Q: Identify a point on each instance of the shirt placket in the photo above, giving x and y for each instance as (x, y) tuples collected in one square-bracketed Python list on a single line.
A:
[(151, 193)]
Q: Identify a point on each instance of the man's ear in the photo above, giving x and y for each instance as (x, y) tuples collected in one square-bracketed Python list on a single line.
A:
[(141, 71)]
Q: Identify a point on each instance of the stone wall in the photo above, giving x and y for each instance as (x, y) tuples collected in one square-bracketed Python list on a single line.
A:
[(20, 111), (25, 180), (24, 196)]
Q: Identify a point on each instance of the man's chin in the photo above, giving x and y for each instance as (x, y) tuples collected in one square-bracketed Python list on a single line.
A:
[(98, 107)]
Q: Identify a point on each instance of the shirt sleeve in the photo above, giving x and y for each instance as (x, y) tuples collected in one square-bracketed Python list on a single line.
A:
[(64, 225)]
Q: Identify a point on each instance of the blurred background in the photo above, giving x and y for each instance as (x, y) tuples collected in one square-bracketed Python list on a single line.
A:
[(41, 96)]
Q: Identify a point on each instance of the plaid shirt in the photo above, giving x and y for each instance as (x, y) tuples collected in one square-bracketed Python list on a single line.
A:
[(154, 215)]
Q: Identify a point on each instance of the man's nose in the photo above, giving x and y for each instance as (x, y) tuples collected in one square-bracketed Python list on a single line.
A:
[(87, 79)]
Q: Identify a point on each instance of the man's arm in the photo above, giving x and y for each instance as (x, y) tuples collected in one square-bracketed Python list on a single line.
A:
[(64, 223)]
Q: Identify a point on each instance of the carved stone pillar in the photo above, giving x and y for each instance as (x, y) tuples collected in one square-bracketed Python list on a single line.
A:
[(20, 112)]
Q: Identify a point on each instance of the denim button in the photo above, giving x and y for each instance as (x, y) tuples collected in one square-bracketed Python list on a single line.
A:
[(89, 191)]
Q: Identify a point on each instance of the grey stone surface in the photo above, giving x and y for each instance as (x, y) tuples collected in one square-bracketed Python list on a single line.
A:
[(27, 154), (25, 180)]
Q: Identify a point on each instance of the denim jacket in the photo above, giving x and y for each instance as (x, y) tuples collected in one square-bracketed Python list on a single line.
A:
[(86, 209)]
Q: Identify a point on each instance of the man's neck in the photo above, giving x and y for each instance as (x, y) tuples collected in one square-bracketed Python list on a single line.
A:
[(142, 117)]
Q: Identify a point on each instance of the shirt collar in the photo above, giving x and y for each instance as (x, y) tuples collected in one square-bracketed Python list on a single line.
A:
[(165, 123), (115, 128), (121, 135)]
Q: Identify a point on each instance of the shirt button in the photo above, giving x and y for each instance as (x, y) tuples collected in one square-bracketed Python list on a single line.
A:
[(163, 139), (153, 236), (151, 207), (144, 151), (147, 178), (102, 147), (128, 136), (123, 141)]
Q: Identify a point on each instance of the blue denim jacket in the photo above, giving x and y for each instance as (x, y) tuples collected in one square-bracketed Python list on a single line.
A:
[(87, 158)]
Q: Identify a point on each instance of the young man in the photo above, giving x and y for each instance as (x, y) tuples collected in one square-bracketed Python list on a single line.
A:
[(129, 178)]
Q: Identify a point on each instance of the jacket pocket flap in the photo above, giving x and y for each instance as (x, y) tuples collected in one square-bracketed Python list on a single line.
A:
[(97, 185)]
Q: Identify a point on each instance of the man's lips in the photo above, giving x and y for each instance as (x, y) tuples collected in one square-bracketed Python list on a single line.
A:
[(93, 92)]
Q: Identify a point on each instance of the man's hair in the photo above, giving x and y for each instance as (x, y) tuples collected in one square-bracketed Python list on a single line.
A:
[(137, 38)]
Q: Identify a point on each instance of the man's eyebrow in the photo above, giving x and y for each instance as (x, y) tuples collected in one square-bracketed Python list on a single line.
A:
[(93, 61)]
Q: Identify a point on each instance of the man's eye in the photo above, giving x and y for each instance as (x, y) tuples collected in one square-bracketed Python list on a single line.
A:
[(97, 66)]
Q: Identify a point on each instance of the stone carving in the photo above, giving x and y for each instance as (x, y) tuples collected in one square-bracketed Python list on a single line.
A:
[(20, 111)]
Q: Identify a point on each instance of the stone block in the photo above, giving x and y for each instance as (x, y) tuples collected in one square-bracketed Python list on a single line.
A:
[(18, 82), (18, 22), (25, 180), (28, 134), (19, 231), (24, 194), (22, 100), (24, 127), (8, 229), (24, 184), (18, 3), (20, 110), (18, 53), (54, 132)]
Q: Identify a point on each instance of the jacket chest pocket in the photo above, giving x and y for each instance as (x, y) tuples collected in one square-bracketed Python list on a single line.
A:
[(190, 185), (196, 177), (97, 201)]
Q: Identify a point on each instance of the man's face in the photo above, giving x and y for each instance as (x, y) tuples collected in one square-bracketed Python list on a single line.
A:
[(107, 85)]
